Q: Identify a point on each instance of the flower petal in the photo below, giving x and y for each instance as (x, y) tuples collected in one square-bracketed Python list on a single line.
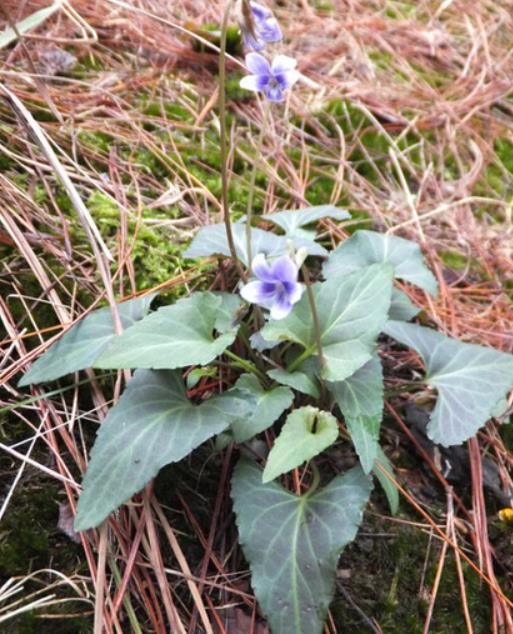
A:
[(251, 82), (274, 92), (258, 65), (269, 31), (261, 269), (257, 292), (281, 307), (259, 11), (284, 269), (288, 78), (295, 293), (251, 41), (282, 63)]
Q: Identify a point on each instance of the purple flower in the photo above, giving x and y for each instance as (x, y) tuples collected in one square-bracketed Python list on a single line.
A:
[(277, 287), (259, 27), (271, 79)]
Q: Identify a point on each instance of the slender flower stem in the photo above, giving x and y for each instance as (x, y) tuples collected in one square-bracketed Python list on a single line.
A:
[(251, 194), (315, 316), (224, 140)]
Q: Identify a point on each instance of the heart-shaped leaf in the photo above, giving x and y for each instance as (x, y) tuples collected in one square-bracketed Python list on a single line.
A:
[(352, 312), (307, 432), (291, 221), (470, 380), (211, 240), (174, 337), (368, 247), (293, 543), (153, 424), (81, 345), (266, 408), (360, 398)]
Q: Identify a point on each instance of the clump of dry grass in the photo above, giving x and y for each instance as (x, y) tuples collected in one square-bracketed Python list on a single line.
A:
[(423, 97)]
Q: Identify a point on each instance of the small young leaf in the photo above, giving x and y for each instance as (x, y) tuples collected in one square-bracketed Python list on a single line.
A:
[(291, 221), (173, 337), (152, 424), (352, 312), (266, 407), (470, 380), (293, 543), (307, 432), (81, 345), (387, 485), (297, 380), (360, 398), (211, 240), (368, 247)]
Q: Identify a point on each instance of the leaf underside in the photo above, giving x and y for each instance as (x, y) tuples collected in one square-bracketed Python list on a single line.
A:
[(293, 543)]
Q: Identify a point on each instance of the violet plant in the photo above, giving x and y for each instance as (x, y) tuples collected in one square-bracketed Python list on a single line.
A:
[(300, 333)]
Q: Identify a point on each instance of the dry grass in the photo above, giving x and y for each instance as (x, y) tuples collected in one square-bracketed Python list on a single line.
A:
[(423, 92)]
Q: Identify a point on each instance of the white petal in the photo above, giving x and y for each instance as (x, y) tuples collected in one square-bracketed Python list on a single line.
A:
[(282, 62), (250, 82), (255, 293)]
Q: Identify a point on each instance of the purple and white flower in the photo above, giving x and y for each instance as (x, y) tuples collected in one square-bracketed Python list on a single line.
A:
[(276, 287), (258, 26), (271, 79)]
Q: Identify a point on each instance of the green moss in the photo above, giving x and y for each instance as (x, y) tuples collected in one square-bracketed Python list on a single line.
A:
[(385, 564), (454, 260)]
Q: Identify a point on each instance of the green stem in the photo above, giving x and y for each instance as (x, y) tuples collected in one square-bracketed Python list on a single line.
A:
[(315, 316), (224, 141), (247, 365), (307, 353)]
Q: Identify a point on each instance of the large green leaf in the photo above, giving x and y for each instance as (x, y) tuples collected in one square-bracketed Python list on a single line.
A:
[(175, 336), (291, 221), (307, 432), (470, 380), (81, 345), (293, 543), (266, 407), (368, 247), (153, 424), (211, 240), (352, 312), (360, 398)]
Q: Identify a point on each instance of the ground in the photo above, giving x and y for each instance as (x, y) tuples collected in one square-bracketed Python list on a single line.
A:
[(405, 118)]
